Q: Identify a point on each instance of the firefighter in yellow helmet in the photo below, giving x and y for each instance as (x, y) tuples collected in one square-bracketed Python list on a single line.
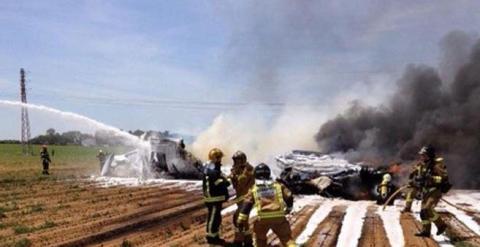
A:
[(242, 179), (215, 192), (384, 189), (433, 182), (272, 201)]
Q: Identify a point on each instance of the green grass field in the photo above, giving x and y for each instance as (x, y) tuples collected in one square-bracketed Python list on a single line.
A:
[(67, 161)]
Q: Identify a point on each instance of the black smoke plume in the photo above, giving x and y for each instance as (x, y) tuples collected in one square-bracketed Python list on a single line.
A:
[(424, 110)]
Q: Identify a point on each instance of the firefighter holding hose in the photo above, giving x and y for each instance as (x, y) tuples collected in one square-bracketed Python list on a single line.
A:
[(215, 192), (242, 179), (272, 201), (432, 180)]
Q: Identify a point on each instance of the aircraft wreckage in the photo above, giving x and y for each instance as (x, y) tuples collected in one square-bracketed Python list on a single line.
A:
[(303, 172), (307, 172), (165, 157)]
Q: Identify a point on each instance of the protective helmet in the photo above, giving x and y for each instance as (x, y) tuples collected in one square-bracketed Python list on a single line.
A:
[(387, 178), (428, 150), (44, 146), (215, 154), (100, 151), (262, 171), (239, 155)]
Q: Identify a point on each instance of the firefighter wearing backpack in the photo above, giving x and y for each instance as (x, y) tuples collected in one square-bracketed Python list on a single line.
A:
[(433, 183), (215, 192), (272, 201)]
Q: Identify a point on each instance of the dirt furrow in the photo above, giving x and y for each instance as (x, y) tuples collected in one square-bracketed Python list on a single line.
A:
[(195, 235), (458, 232), (51, 191), (327, 232), (90, 207), (114, 224), (373, 231), (410, 226), (168, 231), (298, 222)]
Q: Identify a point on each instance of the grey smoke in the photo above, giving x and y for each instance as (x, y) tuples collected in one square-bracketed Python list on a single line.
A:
[(456, 47), (269, 39), (424, 109)]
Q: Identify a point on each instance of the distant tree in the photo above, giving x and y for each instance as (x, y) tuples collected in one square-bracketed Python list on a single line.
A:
[(66, 138), (138, 132), (10, 142), (72, 137), (51, 131)]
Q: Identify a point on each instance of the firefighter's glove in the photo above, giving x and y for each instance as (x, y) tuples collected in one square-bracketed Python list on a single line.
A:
[(242, 222), (242, 225), (429, 181), (288, 210), (411, 184)]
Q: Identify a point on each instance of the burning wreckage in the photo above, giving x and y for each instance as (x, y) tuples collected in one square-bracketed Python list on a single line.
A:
[(164, 157), (303, 172), (308, 172)]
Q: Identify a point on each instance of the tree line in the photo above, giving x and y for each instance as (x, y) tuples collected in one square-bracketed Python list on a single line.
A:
[(74, 137)]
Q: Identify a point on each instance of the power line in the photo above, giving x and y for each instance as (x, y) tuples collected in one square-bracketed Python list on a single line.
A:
[(27, 148)]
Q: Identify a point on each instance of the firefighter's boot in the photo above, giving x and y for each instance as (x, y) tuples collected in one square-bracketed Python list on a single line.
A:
[(215, 241), (248, 242), (441, 226), (426, 231)]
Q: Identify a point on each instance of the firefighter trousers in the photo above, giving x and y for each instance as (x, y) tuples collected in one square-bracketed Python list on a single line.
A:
[(279, 226), (244, 235), (428, 213), (214, 219), (45, 167), (411, 194)]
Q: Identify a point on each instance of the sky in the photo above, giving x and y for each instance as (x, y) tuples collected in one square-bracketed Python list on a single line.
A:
[(177, 65)]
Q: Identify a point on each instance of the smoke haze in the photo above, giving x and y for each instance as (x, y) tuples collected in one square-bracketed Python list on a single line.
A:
[(425, 109), (260, 140)]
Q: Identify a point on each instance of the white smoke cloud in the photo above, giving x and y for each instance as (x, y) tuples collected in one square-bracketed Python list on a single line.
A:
[(261, 139)]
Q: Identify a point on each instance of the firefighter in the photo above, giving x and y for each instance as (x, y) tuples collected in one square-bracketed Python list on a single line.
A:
[(101, 156), (45, 159), (384, 189), (242, 179), (434, 182), (272, 201), (215, 191)]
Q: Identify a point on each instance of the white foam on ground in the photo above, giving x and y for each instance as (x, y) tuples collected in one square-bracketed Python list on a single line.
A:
[(229, 209), (459, 200), (391, 223), (188, 185), (469, 199), (352, 224), (442, 240), (318, 216), (302, 201)]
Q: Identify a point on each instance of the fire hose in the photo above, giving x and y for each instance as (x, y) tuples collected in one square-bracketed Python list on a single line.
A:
[(459, 208), (442, 199), (394, 195)]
